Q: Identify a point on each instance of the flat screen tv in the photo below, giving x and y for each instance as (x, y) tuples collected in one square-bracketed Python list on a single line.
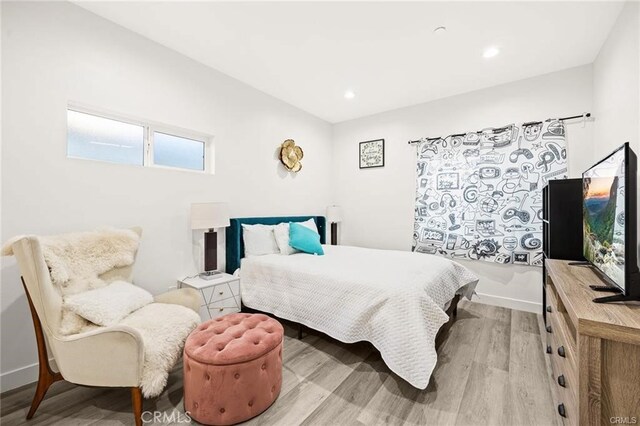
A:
[(609, 223)]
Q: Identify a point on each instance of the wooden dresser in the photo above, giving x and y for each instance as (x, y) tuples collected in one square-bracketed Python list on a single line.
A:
[(594, 349)]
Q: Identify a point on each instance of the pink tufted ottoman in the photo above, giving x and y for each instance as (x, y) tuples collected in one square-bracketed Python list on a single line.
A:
[(232, 368)]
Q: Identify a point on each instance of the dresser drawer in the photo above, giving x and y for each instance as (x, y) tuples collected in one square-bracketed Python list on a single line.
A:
[(564, 374), (563, 367), (567, 408), (563, 343), (551, 297)]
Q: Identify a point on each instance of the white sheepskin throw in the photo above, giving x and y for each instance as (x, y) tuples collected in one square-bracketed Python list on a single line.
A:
[(76, 261), (164, 329)]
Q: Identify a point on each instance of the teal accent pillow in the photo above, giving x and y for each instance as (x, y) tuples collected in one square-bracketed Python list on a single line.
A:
[(304, 239)]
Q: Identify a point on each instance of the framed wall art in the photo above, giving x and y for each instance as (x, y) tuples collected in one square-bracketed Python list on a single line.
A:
[(372, 154)]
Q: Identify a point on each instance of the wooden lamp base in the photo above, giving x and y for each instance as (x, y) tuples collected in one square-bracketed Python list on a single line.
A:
[(334, 234)]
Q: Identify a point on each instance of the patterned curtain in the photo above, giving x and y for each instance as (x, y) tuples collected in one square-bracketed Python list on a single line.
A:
[(479, 195)]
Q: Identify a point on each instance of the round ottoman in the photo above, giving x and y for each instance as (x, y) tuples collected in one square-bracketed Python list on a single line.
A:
[(232, 368)]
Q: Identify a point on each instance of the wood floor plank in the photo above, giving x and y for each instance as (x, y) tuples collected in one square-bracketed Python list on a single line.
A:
[(529, 383), (353, 394), (315, 386), (392, 403), (491, 370), (486, 398), (293, 346), (429, 416), (494, 344), (482, 310), (310, 359), (297, 404), (525, 321)]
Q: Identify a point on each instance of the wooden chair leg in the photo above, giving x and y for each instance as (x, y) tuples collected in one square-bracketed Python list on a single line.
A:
[(136, 401), (45, 379), (46, 376)]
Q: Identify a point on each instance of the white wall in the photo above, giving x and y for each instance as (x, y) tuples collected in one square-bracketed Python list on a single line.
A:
[(378, 204), (53, 53), (616, 89)]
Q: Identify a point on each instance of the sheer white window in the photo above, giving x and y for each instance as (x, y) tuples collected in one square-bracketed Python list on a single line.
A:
[(115, 139)]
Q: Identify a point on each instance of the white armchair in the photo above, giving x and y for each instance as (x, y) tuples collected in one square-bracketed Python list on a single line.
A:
[(109, 356)]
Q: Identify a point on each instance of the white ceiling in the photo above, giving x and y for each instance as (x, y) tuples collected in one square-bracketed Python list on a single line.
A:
[(309, 53)]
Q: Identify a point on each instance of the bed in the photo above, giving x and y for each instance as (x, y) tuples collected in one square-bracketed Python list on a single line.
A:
[(396, 300)]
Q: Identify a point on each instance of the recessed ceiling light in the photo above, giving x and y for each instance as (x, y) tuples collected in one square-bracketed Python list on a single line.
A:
[(349, 94), (490, 52), (440, 30)]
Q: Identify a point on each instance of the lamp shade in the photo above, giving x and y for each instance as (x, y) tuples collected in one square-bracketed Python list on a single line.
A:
[(334, 214), (209, 215)]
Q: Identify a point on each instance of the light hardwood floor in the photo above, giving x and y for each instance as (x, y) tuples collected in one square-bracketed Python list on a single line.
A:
[(491, 371)]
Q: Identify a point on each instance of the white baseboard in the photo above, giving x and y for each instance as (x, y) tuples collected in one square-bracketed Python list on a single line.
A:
[(506, 302), (21, 376)]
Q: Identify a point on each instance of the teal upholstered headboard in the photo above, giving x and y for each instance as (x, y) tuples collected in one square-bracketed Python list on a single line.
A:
[(235, 244)]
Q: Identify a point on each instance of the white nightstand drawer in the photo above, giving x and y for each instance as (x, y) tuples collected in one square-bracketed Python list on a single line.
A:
[(231, 301), (222, 292), (235, 287), (220, 309)]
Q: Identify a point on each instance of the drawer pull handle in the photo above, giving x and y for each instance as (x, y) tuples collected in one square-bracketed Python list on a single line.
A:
[(221, 309), (561, 352), (549, 350), (549, 308), (561, 381), (221, 293), (548, 329), (561, 410)]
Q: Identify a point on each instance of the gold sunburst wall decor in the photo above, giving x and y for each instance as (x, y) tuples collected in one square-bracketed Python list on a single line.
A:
[(291, 155)]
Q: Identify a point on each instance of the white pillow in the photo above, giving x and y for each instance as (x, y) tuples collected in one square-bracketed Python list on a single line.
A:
[(311, 224), (281, 233), (259, 240), (108, 305)]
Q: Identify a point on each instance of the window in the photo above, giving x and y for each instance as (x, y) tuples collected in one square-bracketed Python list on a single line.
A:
[(99, 138), (104, 137), (176, 151)]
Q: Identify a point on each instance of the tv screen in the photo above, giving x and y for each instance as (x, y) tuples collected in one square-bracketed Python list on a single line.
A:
[(603, 217)]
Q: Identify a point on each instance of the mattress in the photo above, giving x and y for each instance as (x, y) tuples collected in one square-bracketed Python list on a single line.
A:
[(394, 299)]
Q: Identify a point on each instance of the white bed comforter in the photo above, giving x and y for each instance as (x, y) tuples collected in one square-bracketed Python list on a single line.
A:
[(393, 299)]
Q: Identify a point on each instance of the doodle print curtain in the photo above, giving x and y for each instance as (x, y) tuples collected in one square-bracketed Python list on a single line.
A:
[(479, 195)]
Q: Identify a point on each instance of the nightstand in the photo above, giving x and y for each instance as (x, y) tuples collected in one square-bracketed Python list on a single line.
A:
[(220, 296)]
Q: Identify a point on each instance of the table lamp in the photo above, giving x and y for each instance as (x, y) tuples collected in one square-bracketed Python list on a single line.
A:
[(334, 215), (210, 216)]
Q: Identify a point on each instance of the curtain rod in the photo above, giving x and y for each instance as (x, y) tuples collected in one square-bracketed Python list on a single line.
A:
[(583, 116)]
